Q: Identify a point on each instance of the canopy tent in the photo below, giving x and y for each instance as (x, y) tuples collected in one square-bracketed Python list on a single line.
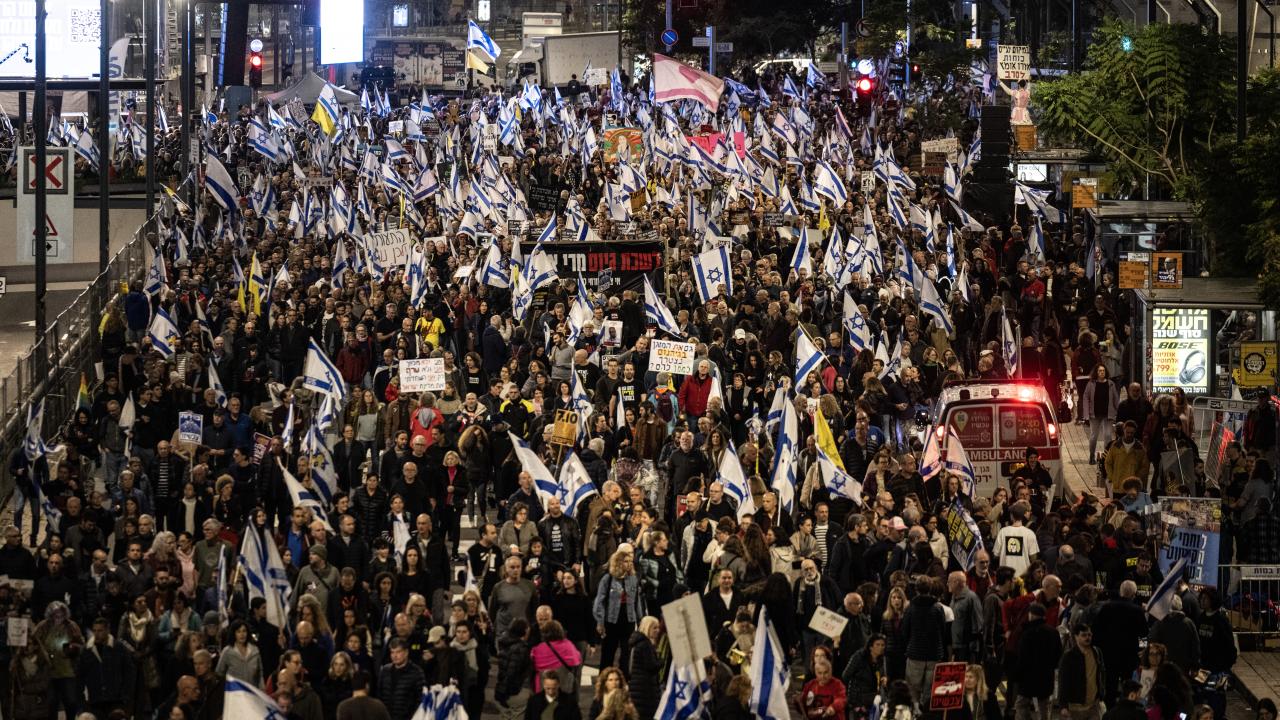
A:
[(308, 89)]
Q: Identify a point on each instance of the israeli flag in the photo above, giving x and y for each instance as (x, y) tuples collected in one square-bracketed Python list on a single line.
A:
[(286, 433), (242, 699), (219, 184), (479, 42), (808, 358), (687, 695), (157, 276), (800, 259), (657, 312), (216, 385), (575, 485), (966, 220), (493, 271), (837, 480), (265, 574), (1161, 602), (303, 497), (320, 374), (827, 183), (544, 483), (324, 475), (770, 673), (163, 333), (785, 463), (947, 453), (1035, 242), (931, 304), (712, 269), (855, 325), (778, 406), (730, 474), (34, 446)]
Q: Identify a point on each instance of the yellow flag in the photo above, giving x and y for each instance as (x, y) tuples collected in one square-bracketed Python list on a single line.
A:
[(475, 63), (823, 222), (822, 435), (256, 285)]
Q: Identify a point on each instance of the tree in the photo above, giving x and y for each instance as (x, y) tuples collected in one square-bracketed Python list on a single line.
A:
[(1154, 102)]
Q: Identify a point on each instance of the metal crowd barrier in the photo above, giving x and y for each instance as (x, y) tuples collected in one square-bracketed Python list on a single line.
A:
[(1250, 597), (70, 347)]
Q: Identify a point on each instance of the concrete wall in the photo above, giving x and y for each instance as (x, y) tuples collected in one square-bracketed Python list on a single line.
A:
[(84, 260)]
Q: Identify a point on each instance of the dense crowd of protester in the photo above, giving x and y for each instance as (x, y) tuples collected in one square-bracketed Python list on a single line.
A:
[(439, 560)]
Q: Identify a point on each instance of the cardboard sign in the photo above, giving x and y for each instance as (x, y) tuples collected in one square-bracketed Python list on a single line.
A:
[(422, 374), (868, 182), (950, 146), (19, 628), (1084, 193), (596, 76), (933, 164), (1166, 270), (1135, 269), (947, 690), (565, 429), (1013, 62), (1024, 136), (828, 623), (687, 630), (190, 427), (671, 357), (391, 247)]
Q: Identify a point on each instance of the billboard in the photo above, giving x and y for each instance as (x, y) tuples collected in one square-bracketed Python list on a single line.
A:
[(1180, 350), (341, 32), (72, 29)]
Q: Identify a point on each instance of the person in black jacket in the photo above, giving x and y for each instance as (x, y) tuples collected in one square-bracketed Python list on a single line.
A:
[(562, 707), (1074, 683), (809, 592), (400, 682), (924, 625), (1218, 649), (1120, 624), (863, 676), (515, 668), (105, 668), (645, 683), (1038, 651), (1129, 707)]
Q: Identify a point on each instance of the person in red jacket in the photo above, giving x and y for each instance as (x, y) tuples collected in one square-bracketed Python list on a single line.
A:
[(695, 390), (823, 698)]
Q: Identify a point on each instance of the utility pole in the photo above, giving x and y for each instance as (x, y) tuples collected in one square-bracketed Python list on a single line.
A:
[(149, 17), (711, 49), (188, 92), (664, 27), (842, 74), (104, 136), (40, 119), (1242, 70)]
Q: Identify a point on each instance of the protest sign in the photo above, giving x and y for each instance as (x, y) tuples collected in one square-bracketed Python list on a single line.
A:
[(671, 357), (1013, 62), (190, 427), (422, 374), (391, 247), (827, 622)]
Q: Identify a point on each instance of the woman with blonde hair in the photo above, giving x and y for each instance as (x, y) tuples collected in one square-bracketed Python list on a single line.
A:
[(977, 704), (336, 684), (645, 666), (617, 605), (891, 625), (618, 706), (162, 556)]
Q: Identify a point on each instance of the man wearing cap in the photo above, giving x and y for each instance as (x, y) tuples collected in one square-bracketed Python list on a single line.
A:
[(445, 664), (318, 577)]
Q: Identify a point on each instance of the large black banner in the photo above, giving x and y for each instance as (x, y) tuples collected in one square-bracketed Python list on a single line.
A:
[(613, 265)]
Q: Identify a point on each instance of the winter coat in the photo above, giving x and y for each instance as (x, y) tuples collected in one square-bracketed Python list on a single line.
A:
[(644, 683), (861, 678), (924, 625), (400, 689), (514, 667), (1038, 651), (1087, 409), (107, 672), (1178, 633), (1122, 463)]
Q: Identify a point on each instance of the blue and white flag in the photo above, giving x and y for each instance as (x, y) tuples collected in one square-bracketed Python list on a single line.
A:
[(320, 374), (163, 333), (479, 42), (305, 497), (855, 325), (947, 453), (735, 482), (687, 695), (324, 474), (657, 312), (712, 269), (837, 480), (781, 397), (807, 357), (242, 699), (1161, 602), (216, 385), (544, 483), (827, 183), (575, 486), (800, 259), (931, 304), (770, 673), (34, 446), (157, 276), (1035, 242), (219, 183), (785, 462)]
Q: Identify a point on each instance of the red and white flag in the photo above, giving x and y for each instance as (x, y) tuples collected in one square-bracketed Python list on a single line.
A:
[(673, 80)]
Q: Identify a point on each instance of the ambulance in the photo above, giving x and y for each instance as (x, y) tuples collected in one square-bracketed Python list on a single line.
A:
[(996, 421)]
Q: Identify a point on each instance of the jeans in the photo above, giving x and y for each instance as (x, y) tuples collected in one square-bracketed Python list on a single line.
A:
[(616, 636), (20, 502), (64, 693), (920, 680), (1099, 429), (112, 463), (1023, 708)]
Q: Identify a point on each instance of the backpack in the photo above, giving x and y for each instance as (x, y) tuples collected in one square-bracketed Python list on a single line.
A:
[(664, 407)]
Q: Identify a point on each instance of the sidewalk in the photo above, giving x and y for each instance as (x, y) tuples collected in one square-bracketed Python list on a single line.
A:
[(1080, 476)]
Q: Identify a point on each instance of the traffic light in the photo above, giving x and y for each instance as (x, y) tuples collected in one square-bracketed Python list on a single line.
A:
[(255, 63), (864, 89), (897, 74)]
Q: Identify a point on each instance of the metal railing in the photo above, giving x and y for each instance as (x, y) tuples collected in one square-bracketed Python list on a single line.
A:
[(1251, 598), (52, 370)]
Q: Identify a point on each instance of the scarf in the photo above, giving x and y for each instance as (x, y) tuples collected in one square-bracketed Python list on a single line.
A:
[(138, 626), (805, 586), (469, 650)]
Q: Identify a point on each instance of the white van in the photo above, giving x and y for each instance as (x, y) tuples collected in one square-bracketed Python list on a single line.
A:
[(997, 421)]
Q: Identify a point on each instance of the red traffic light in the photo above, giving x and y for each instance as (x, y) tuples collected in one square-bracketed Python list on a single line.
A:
[(255, 60), (865, 85)]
